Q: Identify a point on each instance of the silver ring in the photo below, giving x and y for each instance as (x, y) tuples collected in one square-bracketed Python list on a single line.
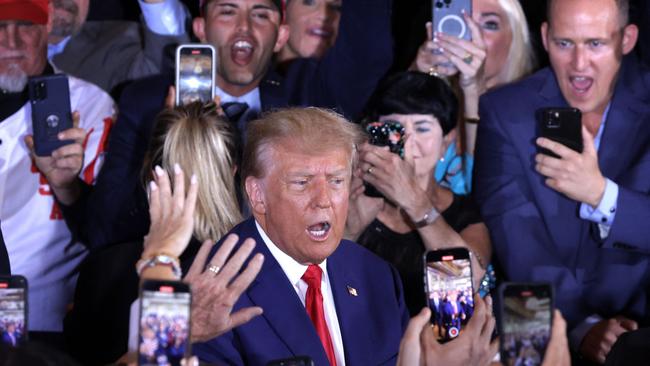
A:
[(468, 59), (214, 269)]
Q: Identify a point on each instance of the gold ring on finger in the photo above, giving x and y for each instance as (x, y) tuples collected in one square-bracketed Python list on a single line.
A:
[(468, 58)]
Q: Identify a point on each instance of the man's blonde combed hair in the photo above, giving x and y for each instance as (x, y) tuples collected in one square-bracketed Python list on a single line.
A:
[(202, 143), (309, 130)]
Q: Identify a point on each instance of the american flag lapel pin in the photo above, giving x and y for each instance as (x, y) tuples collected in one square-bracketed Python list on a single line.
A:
[(352, 291)]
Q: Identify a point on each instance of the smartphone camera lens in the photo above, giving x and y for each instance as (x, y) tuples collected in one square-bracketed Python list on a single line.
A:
[(439, 4), (553, 120), (39, 90)]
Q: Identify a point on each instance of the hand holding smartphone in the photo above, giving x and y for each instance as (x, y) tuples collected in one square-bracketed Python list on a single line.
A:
[(449, 291), (524, 321), (49, 97), (195, 73), (13, 310), (391, 134), (164, 331)]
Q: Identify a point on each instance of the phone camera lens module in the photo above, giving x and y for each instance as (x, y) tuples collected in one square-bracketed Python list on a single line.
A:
[(52, 121), (439, 4)]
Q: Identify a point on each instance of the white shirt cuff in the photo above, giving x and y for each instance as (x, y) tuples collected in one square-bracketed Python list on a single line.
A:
[(165, 18), (605, 213), (579, 332)]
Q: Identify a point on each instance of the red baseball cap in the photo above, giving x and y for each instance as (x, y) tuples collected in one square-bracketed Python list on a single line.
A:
[(35, 11)]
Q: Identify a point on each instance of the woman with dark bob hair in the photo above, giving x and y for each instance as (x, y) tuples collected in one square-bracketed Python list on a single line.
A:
[(415, 214)]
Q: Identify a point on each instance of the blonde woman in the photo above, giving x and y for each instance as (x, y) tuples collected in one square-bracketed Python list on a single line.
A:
[(500, 52)]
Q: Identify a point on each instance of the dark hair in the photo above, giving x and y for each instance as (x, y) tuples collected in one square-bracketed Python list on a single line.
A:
[(622, 5), (413, 92)]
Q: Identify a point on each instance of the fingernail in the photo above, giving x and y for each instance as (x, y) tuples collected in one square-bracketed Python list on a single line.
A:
[(153, 186), (159, 171), (60, 136), (435, 39), (194, 179), (177, 169)]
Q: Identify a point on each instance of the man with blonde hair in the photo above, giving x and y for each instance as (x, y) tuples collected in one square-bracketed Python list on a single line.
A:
[(323, 297)]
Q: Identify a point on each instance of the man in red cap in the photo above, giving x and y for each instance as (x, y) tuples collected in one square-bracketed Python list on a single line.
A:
[(39, 244)]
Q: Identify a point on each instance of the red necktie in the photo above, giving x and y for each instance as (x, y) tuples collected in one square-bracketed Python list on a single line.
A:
[(314, 307)]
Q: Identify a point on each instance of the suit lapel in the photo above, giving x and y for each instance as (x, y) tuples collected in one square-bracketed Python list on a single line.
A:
[(628, 109), (282, 307), (350, 307), (272, 94)]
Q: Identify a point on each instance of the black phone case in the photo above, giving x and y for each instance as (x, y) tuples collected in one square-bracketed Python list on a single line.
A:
[(563, 125), (500, 312), (50, 101), (448, 18)]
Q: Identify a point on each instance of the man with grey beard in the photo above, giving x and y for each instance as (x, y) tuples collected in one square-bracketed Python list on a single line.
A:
[(122, 50), (39, 244)]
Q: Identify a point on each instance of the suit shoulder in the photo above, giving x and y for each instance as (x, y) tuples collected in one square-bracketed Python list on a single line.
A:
[(518, 90), (352, 251)]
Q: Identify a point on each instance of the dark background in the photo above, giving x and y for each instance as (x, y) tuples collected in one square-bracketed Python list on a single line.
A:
[(409, 17)]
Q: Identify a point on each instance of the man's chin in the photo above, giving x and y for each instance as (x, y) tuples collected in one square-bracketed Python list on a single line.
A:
[(14, 80)]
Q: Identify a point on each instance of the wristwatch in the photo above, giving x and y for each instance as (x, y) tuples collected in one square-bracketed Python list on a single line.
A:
[(160, 259), (428, 218)]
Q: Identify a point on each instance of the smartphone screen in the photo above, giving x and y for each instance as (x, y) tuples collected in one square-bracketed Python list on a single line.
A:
[(13, 310), (449, 290), (164, 323), (195, 72), (563, 125), (525, 323)]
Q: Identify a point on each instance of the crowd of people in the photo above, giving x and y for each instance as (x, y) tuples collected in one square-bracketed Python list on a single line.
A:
[(261, 199)]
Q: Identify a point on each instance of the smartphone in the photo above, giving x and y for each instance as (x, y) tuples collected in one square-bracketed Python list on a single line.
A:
[(13, 310), (388, 133), (449, 291), (293, 361), (164, 332), (524, 322), (195, 73), (448, 17), (49, 97), (563, 125)]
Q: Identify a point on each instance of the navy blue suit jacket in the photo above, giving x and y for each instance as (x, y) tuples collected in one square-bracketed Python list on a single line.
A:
[(372, 323), (115, 211), (536, 232)]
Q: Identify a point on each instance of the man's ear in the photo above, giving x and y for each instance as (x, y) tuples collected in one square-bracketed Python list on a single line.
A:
[(198, 26), (630, 36), (544, 34), (255, 192), (283, 37)]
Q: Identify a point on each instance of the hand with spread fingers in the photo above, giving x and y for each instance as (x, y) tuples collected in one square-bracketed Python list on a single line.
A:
[(170, 101), (576, 175), (62, 168), (171, 213), (216, 289)]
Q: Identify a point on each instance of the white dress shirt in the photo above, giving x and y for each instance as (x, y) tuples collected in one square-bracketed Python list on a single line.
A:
[(294, 271)]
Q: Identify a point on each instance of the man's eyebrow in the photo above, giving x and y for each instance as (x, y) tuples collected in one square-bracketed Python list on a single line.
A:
[(230, 5), (263, 6), (338, 172)]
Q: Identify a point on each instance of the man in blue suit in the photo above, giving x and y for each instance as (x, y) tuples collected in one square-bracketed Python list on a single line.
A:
[(579, 221), (297, 168)]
